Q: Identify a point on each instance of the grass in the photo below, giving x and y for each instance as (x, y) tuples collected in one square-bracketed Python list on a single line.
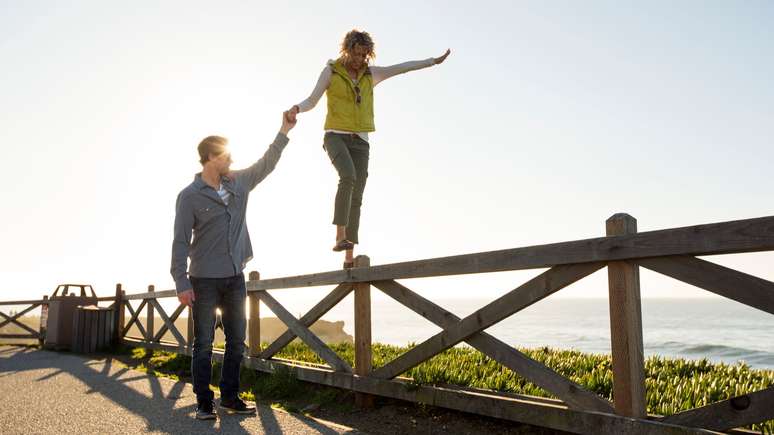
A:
[(280, 389), (672, 384)]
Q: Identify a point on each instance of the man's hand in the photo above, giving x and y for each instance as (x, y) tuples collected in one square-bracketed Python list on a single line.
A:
[(292, 112), (287, 122), (186, 297), (439, 60)]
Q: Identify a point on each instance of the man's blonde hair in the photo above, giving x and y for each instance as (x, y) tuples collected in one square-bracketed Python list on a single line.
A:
[(357, 37), (211, 145)]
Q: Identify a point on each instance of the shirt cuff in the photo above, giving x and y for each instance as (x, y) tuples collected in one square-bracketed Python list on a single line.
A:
[(183, 285)]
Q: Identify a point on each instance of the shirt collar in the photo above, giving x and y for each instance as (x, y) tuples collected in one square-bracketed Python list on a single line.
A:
[(225, 182)]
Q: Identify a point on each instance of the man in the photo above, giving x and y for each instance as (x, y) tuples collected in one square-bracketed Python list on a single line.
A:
[(213, 207)]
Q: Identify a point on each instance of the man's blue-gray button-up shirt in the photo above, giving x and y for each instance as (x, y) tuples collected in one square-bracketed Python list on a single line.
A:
[(221, 243)]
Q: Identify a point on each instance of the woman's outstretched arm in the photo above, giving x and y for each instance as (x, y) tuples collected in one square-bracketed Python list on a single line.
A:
[(382, 73)]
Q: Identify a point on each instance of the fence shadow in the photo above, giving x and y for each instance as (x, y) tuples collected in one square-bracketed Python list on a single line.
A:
[(143, 395)]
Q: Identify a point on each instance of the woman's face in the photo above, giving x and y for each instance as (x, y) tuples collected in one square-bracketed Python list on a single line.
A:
[(358, 56)]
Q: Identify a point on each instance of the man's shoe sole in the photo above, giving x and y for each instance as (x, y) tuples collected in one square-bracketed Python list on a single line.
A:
[(236, 411), (206, 417)]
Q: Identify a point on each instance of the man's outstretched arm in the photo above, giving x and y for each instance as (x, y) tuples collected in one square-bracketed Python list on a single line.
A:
[(254, 174)]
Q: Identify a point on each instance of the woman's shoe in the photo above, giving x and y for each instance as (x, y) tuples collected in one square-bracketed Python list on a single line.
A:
[(343, 245)]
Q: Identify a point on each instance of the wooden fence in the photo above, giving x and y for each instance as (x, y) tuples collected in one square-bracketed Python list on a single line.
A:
[(672, 252), (13, 319)]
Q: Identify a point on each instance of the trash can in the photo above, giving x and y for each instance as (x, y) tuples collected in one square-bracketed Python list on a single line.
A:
[(92, 328), (61, 308)]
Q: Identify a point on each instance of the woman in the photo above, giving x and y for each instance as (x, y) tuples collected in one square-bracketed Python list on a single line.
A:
[(348, 83)]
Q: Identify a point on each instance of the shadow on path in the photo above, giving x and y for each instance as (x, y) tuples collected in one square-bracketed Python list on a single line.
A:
[(164, 405)]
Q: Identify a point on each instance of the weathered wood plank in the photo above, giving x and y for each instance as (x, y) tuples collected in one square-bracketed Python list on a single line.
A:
[(37, 301), (152, 295), (362, 315), (254, 321), (134, 319), (741, 287), (149, 319), (91, 339), (15, 317), (171, 347), (571, 393), (32, 336), (169, 322), (43, 324), (735, 412), (106, 298), (118, 317), (749, 235), (308, 319), (523, 296), (173, 317), (305, 334), (363, 355), (14, 320), (626, 326)]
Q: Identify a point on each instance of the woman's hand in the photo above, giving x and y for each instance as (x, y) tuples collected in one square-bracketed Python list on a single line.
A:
[(439, 60), (292, 112), (287, 123)]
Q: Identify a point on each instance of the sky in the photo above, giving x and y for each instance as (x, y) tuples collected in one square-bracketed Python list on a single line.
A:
[(547, 118)]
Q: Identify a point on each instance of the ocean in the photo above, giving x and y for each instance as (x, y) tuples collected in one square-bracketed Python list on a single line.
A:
[(720, 330)]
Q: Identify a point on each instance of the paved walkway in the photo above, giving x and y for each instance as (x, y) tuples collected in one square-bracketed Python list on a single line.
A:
[(56, 393)]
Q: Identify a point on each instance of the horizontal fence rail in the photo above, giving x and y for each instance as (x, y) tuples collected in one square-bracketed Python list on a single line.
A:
[(671, 252), (751, 235)]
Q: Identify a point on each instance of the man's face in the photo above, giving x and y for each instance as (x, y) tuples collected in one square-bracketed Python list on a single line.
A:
[(221, 162)]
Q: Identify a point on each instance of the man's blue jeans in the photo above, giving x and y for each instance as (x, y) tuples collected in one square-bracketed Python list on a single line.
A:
[(229, 295)]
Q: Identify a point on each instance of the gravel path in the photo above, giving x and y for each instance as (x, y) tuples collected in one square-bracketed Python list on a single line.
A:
[(57, 393)]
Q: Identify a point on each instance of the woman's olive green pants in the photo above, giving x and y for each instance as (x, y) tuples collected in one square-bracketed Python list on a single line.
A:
[(349, 155)]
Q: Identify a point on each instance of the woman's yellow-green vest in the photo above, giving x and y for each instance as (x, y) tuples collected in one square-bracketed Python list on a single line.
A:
[(344, 112)]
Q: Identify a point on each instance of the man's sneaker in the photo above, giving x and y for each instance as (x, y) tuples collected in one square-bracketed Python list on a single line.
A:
[(204, 410), (236, 406)]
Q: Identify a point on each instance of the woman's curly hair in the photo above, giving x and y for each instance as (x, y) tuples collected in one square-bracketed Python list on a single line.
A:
[(356, 37)]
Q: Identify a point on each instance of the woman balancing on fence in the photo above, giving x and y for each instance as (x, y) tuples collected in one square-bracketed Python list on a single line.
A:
[(348, 83)]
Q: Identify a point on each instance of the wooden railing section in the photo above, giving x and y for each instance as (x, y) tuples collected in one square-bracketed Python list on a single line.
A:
[(13, 319), (672, 252)]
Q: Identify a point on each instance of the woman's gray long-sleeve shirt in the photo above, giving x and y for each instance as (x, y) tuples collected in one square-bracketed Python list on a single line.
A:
[(221, 243)]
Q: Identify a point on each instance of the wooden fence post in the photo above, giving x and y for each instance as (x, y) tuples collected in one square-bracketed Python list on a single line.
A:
[(43, 327), (118, 317), (363, 357), (149, 321), (254, 304), (626, 326)]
